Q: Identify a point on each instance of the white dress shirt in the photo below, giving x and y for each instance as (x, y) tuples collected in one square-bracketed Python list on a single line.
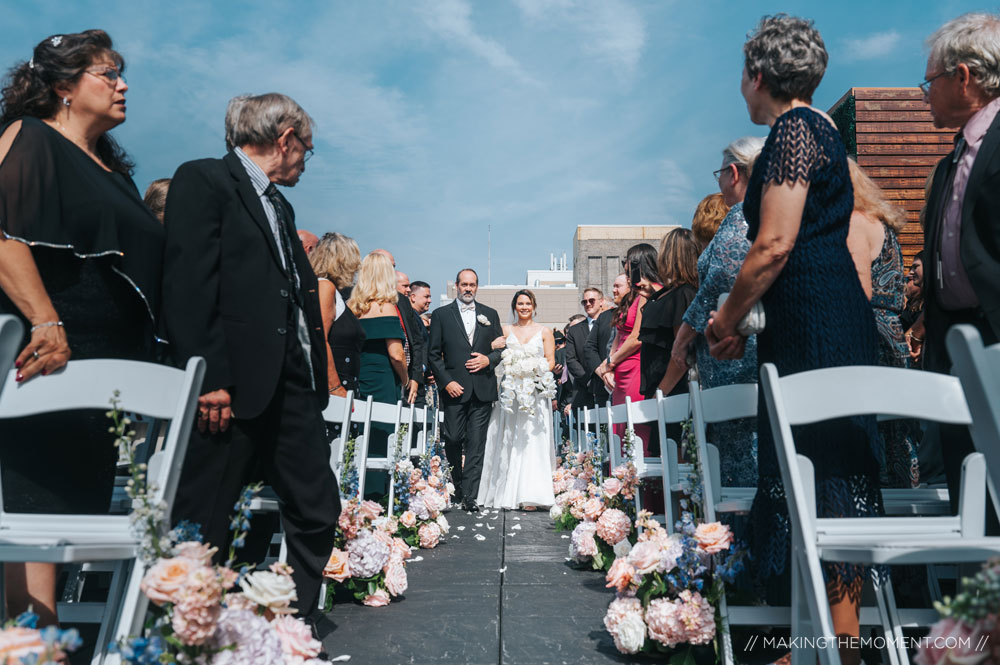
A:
[(468, 313)]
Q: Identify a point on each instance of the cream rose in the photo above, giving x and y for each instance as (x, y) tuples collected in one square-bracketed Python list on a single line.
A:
[(395, 577), (270, 590), (378, 599), (197, 552), (645, 556), (369, 510), (631, 633), (165, 579), (408, 519), (296, 637), (713, 537)]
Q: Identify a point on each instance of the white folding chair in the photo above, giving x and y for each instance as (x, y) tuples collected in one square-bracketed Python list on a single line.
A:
[(338, 412), (671, 411), (979, 369), (820, 395), (382, 414), (11, 332), (153, 390)]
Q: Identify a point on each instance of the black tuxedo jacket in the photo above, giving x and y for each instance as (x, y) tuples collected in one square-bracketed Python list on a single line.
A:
[(414, 330), (595, 350), (576, 339), (979, 243), (225, 294), (449, 349)]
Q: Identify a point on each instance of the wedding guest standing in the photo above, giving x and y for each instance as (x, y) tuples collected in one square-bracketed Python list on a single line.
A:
[(879, 262), (718, 266), (413, 343), (383, 359), (962, 240), (708, 216), (80, 265), (667, 298), (335, 261), (798, 208), (420, 301), (309, 240), (155, 197), (599, 341), (238, 291), (576, 339)]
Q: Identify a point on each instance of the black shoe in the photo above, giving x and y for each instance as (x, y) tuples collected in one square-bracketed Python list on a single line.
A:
[(470, 505)]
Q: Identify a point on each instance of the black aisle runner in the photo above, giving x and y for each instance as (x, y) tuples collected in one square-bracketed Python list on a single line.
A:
[(505, 597)]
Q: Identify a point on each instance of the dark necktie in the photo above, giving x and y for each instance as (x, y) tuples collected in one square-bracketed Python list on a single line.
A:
[(282, 218)]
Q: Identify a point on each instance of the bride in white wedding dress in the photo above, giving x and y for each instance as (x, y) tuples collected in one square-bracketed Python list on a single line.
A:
[(520, 453)]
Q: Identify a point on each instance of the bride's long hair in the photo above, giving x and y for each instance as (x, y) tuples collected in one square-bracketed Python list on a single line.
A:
[(513, 304)]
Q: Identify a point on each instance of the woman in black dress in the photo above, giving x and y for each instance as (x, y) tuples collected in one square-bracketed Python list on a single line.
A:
[(335, 260), (80, 264)]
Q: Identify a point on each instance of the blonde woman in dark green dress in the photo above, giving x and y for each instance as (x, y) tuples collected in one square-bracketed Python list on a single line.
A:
[(383, 354)]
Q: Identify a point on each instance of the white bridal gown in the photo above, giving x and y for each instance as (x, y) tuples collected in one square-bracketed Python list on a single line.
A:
[(520, 455)]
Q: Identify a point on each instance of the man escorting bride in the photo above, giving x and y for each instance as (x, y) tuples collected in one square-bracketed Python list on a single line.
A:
[(520, 456)]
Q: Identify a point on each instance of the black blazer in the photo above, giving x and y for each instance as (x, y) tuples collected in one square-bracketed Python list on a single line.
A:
[(225, 294), (414, 330), (576, 338), (449, 349), (595, 350), (979, 243)]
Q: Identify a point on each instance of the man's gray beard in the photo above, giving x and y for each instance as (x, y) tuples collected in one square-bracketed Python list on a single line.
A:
[(467, 299)]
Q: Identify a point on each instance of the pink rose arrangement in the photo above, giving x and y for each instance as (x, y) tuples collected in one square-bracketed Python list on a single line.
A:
[(422, 494), (969, 631), (668, 586), (368, 557)]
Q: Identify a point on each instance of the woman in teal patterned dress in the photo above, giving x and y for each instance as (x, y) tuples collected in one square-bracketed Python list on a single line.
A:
[(717, 268), (798, 208), (383, 356)]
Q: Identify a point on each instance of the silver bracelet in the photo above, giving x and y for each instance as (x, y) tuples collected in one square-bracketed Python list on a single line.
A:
[(47, 324)]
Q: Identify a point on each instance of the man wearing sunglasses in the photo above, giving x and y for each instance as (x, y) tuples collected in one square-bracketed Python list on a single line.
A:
[(576, 339), (962, 239)]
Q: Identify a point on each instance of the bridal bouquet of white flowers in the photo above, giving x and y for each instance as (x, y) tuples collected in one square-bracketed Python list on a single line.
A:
[(524, 377)]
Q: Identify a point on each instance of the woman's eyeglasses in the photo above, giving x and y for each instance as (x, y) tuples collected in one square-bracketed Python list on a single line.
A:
[(109, 74)]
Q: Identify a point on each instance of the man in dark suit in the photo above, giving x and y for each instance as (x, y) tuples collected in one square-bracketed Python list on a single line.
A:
[(238, 290), (962, 240), (576, 339), (595, 351), (463, 359)]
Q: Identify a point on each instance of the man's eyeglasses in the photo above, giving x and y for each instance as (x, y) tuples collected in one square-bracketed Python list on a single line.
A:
[(109, 74), (309, 151), (588, 301), (925, 87), (717, 174)]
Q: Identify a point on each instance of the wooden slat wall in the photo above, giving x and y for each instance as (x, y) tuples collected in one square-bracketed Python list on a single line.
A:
[(898, 146)]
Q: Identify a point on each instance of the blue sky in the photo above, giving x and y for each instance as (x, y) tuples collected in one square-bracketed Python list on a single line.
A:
[(437, 118)]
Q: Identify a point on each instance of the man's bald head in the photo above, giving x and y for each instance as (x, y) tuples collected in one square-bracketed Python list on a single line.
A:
[(403, 283), (387, 255), (309, 241)]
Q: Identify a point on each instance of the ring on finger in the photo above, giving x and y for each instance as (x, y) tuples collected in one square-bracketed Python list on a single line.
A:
[(35, 354)]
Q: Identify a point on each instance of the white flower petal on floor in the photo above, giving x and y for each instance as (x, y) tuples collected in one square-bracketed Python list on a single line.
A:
[(480, 536), (516, 526)]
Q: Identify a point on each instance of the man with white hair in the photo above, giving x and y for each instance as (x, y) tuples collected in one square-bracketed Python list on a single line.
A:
[(962, 238), (238, 290)]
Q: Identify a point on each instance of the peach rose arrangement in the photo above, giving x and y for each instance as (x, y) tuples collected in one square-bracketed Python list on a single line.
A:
[(422, 494), (575, 472), (369, 556), (667, 586), (969, 631), (200, 611), (21, 641)]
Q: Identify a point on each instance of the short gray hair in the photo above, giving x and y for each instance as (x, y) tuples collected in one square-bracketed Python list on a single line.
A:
[(973, 40), (789, 54), (743, 152), (260, 119)]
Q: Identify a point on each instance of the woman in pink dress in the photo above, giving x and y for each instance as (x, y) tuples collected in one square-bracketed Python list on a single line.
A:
[(620, 371)]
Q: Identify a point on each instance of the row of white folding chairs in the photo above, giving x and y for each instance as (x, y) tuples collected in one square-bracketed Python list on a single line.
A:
[(167, 395), (972, 398)]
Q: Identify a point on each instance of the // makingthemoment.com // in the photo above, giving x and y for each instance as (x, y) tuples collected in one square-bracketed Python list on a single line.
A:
[(956, 643)]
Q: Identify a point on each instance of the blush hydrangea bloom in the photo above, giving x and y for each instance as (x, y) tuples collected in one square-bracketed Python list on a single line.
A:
[(698, 617), (664, 622), (366, 555), (582, 544), (256, 642), (613, 526)]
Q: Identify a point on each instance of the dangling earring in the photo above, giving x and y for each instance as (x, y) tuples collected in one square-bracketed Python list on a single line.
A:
[(65, 101)]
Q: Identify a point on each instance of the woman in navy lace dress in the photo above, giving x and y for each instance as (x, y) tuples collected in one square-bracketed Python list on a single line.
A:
[(798, 208)]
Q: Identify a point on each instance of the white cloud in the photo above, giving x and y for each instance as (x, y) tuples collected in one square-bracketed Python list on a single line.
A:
[(678, 189), (452, 19), (613, 30), (871, 47)]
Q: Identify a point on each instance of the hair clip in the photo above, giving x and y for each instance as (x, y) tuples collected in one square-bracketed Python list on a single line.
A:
[(56, 41)]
